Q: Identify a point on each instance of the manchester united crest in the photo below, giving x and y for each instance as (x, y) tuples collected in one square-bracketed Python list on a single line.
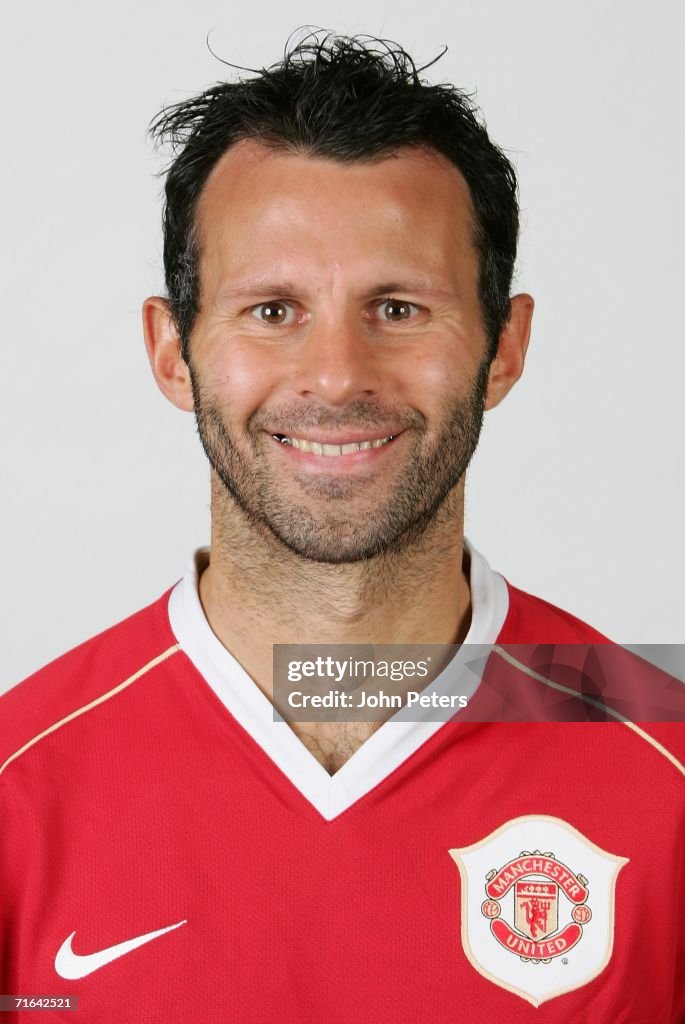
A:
[(538, 917)]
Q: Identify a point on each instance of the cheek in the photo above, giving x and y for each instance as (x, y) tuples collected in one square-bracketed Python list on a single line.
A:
[(436, 375), (240, 377)]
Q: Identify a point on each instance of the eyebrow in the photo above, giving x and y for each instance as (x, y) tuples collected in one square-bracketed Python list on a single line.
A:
[(274, 289), (415, 285), (257, 287)]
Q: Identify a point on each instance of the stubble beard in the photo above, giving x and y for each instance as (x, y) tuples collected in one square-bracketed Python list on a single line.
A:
[(337, 526)]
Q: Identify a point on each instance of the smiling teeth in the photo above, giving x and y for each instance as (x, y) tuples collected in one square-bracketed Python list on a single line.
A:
[(317, 448)]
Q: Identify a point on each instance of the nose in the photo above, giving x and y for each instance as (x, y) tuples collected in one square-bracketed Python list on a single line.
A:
[(338, 362)]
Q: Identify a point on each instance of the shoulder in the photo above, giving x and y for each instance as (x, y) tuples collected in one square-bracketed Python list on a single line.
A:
[(83, 676), (531, 620), (591, 663)]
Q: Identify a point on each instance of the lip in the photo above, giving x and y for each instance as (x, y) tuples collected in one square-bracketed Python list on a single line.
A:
[(340, 437), (335, 465)]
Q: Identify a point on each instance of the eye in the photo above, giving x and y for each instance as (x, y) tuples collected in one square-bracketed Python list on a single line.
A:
[(394, 310), (274, 312)]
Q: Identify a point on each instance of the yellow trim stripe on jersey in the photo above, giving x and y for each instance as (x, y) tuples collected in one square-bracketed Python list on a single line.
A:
[(498, 650), (595, 703), (94, 703)]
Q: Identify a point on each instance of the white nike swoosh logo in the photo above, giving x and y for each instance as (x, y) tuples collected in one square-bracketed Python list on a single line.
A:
[(70, 965)]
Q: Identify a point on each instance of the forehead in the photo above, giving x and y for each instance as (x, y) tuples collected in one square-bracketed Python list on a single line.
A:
[(258, 199)]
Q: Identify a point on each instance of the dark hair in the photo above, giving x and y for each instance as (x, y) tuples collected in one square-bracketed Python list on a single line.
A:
[(347, 98)]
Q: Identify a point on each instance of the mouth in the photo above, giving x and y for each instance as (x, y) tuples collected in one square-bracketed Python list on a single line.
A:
[(328, 449)]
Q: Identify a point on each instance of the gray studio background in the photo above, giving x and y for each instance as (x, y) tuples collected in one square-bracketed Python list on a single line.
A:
[(576, 492)]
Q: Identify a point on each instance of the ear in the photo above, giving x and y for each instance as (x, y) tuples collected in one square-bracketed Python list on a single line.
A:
[(507, 366), (163, 346)]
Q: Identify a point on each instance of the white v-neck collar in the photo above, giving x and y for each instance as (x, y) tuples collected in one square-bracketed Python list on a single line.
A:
[(386, 748)]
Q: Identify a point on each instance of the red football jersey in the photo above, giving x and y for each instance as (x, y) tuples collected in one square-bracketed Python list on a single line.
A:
[(169, 853)]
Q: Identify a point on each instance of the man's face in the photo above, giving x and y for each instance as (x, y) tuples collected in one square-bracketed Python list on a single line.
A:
[(338, 307)]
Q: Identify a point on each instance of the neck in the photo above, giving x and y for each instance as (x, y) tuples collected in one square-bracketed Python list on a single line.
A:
[(255, 592)]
